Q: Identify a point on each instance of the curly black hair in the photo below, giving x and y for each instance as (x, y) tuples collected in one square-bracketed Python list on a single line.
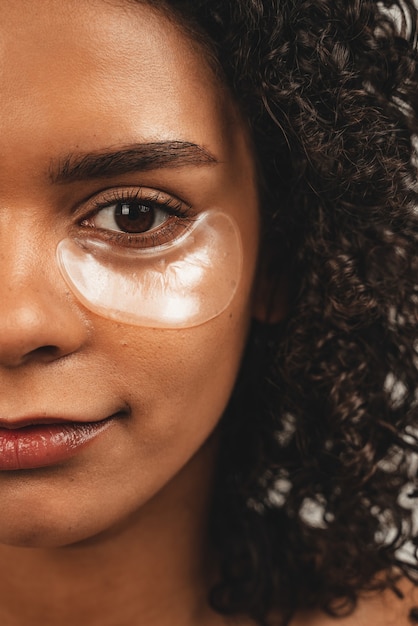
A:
[(317, 475)]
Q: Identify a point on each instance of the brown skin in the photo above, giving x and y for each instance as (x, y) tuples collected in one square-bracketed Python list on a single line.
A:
[(172, 385), (121, 526), (117, 534)]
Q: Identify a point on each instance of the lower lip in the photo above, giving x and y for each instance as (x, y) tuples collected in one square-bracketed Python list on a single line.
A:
[(32, 447)]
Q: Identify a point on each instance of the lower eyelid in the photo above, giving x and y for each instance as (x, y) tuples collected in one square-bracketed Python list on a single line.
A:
[(168, 232)]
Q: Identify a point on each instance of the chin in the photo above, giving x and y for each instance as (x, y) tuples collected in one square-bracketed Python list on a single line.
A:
[(44, 535)]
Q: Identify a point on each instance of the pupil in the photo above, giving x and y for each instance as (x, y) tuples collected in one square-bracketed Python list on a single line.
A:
[(134, 217)]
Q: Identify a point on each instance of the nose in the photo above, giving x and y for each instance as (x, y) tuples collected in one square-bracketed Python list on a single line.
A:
[(39, 321)]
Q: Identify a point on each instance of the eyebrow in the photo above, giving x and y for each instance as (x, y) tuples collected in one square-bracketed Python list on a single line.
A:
[(137, 157)]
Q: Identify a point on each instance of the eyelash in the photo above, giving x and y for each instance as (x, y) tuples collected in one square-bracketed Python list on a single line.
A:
[(179, 217)]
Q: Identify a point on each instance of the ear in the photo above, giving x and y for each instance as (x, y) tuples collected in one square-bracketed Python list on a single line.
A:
[(270, 296)]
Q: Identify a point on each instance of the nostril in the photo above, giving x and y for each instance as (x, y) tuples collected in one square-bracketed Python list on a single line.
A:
[(44, 353), (35, 326)]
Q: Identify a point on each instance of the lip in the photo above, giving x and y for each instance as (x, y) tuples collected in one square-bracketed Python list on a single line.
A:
[(34, 443)]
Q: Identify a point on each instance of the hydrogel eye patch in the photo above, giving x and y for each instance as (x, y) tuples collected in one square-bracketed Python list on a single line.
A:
[(179, 284)]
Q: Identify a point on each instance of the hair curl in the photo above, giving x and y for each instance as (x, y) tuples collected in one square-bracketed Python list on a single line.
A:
[(316, 478)]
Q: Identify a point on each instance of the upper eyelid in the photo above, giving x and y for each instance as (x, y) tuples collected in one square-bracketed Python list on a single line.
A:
[(100, 199)]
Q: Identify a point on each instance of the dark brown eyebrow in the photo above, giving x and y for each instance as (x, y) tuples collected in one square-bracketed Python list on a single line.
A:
[(138, 157)]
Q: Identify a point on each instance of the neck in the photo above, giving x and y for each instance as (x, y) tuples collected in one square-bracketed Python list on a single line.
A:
[(151, 569)]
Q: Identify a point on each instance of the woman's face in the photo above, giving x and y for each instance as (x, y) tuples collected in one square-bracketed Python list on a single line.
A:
[(80, 79)]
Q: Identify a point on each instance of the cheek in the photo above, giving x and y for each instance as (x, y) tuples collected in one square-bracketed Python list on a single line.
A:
[(177, 383)]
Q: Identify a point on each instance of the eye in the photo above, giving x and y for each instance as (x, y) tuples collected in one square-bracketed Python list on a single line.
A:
[(136, 217), (130, 216)]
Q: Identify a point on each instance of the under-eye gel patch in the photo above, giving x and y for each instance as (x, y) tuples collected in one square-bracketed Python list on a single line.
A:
[(179, 284)]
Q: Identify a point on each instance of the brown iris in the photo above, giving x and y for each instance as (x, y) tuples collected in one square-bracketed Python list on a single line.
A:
[(134, 217)]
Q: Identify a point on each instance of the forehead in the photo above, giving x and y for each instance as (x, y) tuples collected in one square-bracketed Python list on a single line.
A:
[(105, 72), (102, 29)]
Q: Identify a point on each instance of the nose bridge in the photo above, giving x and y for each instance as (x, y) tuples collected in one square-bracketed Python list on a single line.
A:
[(25, 285), (26, 254), (37, 316)]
